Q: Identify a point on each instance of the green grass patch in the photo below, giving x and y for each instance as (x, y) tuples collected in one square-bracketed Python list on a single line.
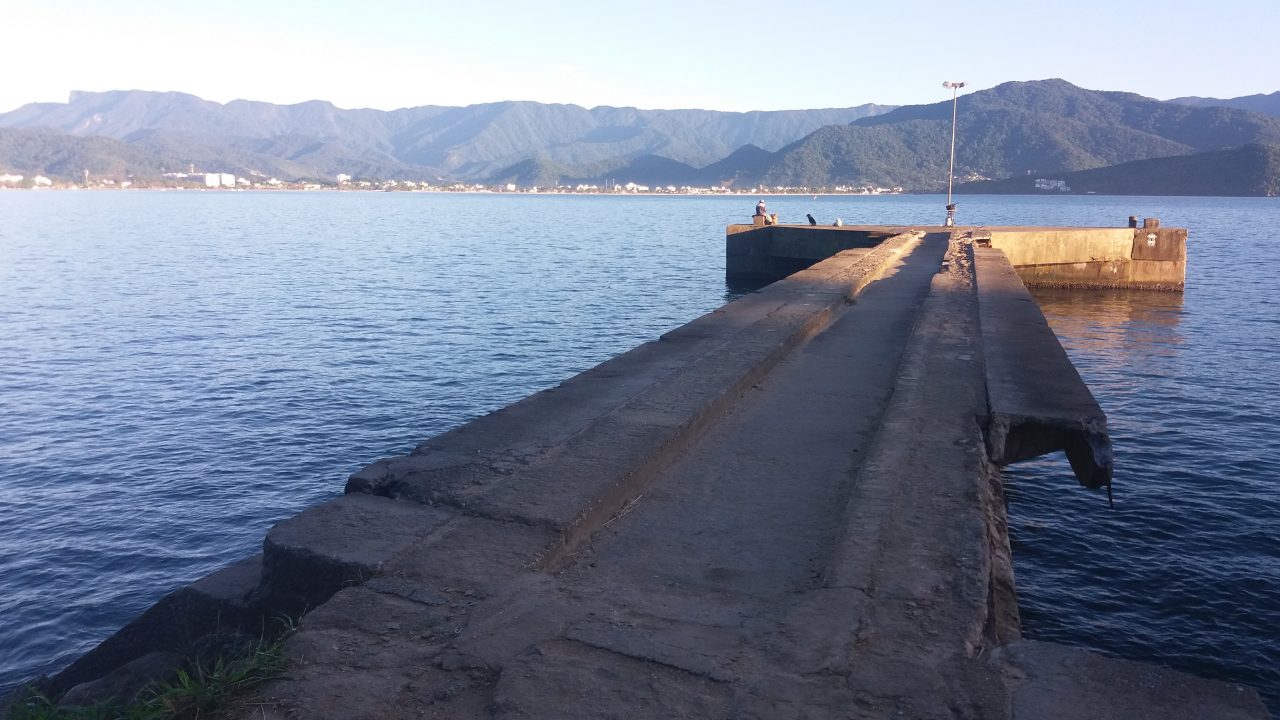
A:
[(201, 687)]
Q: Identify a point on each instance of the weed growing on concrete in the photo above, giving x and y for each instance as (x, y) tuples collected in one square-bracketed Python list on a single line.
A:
[(207, 686), (201, 688)]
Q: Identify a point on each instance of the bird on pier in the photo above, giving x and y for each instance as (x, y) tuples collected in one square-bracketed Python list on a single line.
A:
[(811, 220)]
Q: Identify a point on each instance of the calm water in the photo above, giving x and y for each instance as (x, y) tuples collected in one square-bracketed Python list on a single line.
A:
[(180, 370)]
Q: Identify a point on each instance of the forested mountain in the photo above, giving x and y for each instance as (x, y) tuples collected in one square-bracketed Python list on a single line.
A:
[(467, 143), (149, 154), (1013, 129), (1251, 170), (1266, 104), (56, 154)]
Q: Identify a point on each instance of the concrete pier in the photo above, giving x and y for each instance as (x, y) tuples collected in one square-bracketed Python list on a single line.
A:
[(790, 507), (1137, 258)]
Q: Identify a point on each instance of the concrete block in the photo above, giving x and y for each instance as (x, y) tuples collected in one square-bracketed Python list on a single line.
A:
[(309, 557)]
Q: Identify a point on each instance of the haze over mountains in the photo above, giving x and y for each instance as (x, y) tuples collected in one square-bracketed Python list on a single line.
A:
[(1268, 104), (465, 143), (1017, 129)]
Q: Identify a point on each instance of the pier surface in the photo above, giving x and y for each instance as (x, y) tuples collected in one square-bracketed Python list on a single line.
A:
[(788, 508)]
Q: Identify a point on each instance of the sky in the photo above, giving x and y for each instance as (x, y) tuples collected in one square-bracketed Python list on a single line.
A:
[(735, 55)]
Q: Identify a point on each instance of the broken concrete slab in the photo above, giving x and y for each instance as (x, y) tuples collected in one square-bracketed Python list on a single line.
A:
[(1038, 402)]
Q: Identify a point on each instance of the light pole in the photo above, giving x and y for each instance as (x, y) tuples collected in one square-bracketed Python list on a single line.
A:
[(951, 166)]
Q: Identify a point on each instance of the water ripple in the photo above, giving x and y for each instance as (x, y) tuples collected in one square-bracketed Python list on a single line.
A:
[(1186, 569)]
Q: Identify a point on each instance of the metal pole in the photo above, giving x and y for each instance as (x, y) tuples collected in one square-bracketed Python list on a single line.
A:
[(951, 165)]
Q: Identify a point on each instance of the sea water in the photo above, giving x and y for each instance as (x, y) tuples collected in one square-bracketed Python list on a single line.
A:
[(180, 370)]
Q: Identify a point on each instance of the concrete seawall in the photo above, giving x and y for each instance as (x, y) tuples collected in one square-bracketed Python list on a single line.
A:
[(789, 507)]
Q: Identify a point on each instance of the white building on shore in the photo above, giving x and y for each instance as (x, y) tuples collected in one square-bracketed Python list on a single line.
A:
[(214, 180), (1047, 184)]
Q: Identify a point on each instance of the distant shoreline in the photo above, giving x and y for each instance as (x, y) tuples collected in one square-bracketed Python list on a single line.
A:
[(731, 193), (439, 191)]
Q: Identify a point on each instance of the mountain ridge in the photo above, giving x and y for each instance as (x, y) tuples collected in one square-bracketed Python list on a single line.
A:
[(1012, 130), (469, 142), (1268, 104)]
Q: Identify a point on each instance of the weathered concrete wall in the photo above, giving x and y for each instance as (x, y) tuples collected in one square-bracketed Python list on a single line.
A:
[(1135, 258), (1049, 246), (761, 255)]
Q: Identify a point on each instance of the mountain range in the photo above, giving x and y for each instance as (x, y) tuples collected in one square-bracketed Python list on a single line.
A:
[(465, 143), (1014, 130)]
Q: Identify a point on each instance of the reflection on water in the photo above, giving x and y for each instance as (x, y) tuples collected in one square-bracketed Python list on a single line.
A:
[(1121, 309), (1119, 321), (735, 288)]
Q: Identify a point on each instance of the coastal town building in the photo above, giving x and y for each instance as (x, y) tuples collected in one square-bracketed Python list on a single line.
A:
[(214, 180), (1058, 185)]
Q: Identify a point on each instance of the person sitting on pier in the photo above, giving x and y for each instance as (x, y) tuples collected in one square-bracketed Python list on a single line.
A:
[(760, 210)]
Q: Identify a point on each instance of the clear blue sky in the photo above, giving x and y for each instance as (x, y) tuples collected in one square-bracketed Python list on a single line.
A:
[(730, 55)]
